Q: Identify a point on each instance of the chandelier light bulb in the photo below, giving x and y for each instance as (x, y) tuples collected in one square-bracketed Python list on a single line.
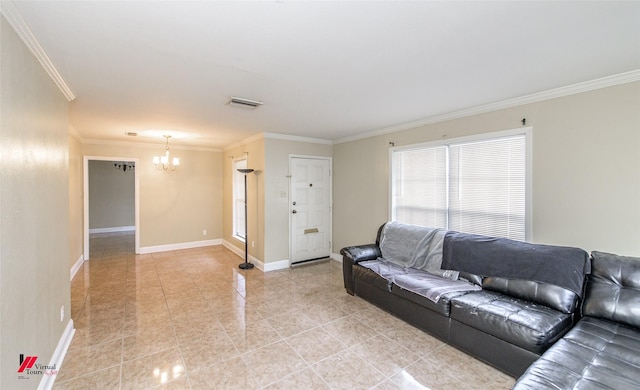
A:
[(165, 163)]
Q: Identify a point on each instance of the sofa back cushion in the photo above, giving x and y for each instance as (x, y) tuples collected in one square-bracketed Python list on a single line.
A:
[(399, 242), (379, 234), (545, 294), (613, 289), (413, 246), (565, 267)]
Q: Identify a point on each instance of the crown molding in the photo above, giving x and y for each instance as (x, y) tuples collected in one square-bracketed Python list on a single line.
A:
[(253, 138), (232, 146), (13, 16), (245, 141), (148, 145), (603, 82), (297, 138), (74, 133), (284, 137)]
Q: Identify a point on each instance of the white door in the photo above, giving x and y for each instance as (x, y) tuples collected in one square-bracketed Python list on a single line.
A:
[(310, 208)]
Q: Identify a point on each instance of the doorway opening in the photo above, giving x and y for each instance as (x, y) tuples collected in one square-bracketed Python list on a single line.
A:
[(105, 216)]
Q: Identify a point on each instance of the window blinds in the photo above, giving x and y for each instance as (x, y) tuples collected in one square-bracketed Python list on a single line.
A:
[(474, 187), (238, 198), (420, 183)]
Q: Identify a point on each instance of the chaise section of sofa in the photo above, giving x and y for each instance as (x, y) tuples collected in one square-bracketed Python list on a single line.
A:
[(603, 350)]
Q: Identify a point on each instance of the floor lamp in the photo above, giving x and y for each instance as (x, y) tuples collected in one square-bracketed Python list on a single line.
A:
[(246, 264)]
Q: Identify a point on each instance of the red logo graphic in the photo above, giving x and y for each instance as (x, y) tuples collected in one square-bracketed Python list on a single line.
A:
[(27, 363)]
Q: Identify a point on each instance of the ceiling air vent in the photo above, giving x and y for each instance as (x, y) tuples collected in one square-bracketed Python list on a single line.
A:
[(240, 102), (131, 134)]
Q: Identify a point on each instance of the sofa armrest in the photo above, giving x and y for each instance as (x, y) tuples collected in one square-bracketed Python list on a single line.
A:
[(356, 254), (352, 255)]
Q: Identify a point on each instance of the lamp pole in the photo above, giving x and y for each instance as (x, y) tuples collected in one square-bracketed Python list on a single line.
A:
[(246, 264)]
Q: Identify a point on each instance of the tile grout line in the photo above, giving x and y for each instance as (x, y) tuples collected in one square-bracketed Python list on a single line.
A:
[(308, 290), (173, 326)]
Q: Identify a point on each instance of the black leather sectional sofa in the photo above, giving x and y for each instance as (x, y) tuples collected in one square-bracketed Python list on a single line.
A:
[(511, 322), (603, 350)]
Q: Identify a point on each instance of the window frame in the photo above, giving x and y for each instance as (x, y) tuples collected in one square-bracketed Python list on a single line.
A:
[(237, 184), (526, 131)]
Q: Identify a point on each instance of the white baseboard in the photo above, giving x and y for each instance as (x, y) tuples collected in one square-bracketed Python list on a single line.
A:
[(233, 248), (47, 381), (276, 265), (178, 246), (113, 229), (337, 257), (76, 267), (264, 267), (259, 264)]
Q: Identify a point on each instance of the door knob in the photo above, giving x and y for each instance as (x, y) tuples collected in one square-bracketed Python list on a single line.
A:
[(294, 212)]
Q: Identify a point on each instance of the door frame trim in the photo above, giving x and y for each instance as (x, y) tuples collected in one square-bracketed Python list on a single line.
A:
[(290, 206), (85, 168)]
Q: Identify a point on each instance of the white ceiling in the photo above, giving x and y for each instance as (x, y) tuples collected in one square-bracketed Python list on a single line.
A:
[(323, 69)]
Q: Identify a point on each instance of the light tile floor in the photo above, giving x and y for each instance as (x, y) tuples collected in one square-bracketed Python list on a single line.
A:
[(191, 319)]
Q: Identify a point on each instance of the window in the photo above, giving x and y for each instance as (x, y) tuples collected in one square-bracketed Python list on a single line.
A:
[(473, 185), (238, 199)]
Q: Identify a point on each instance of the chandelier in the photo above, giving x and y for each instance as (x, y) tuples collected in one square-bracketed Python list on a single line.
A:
[(124, 166), (166, 163)]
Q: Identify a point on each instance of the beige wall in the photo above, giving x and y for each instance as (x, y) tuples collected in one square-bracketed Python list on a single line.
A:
[(34, 211), (76, 215), (111, 196), (586, 170), (175, 207), (360, 190)]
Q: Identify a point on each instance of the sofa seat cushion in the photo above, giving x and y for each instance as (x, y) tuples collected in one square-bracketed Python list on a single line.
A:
[(366, 275), (596, 353), (528, 325), (443, 306)]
